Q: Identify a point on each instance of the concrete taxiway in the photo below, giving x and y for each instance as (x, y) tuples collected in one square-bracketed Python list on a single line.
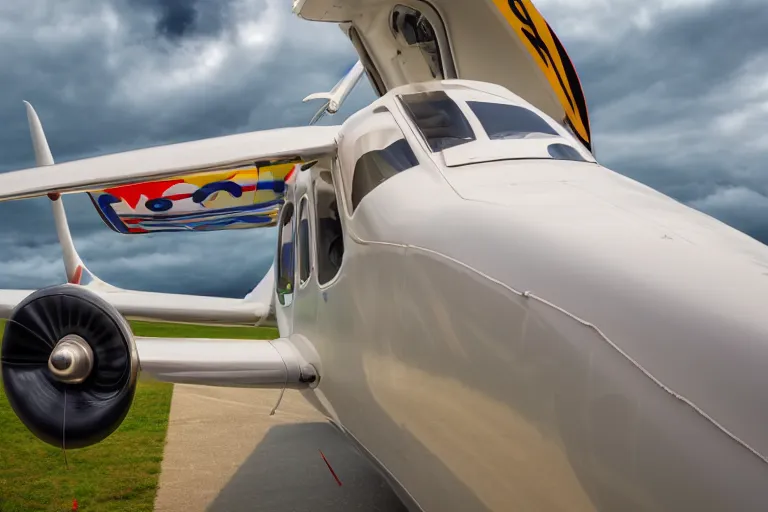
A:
[(224, 452)]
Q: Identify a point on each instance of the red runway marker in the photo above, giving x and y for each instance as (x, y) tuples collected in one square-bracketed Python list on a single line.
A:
[(330, 468)]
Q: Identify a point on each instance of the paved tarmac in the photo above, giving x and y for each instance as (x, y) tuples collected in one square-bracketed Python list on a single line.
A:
[(225, 453)]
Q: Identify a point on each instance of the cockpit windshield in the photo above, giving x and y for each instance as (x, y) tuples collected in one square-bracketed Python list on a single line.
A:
[(439, 119), (503, 121)]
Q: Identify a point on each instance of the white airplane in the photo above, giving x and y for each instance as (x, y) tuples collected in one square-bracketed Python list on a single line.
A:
[(497, 321)]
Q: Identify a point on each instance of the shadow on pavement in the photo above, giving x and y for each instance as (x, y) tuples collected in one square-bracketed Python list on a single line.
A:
[(286, 473)]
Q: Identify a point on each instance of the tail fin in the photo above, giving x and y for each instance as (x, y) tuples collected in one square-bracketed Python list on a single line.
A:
[(77, 272), (263, 293)]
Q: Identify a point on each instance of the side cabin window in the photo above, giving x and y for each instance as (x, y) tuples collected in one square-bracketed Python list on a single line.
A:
[(285, 261), (329, 239), (305, 266), (439, 119), (375, 151), (376, 166)]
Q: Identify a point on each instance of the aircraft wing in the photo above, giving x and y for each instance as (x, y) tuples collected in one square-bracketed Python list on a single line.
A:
[(140, 167), (156, 163), (9, 299), (69, 360), (166, 307)]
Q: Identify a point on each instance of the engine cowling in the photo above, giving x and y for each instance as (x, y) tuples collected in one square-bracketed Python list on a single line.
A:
[(69, 365)]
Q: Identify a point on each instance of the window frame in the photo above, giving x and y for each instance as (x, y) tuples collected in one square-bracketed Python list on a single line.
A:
[(288, 207), (381, 154), (377, 82), (336, 179), (407, 131), (424, 140), (304, 208)]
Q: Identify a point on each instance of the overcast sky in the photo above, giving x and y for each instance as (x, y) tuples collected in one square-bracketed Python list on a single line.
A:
[(677, 92)]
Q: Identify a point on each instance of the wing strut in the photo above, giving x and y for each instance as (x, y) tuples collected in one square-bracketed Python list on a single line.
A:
[(336, 97), (77, 272)]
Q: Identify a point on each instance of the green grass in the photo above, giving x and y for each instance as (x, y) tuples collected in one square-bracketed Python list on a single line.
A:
[(202, 331), (119, 474)]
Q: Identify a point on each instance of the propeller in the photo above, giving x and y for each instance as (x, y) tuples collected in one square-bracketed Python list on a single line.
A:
[(69, 366)]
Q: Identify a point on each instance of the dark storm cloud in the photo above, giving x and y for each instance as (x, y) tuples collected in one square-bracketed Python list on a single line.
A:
[(174, 19), (102, 86), (680, 57), (108, 83)]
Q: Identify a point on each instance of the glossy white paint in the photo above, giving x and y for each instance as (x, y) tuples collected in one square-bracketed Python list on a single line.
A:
[(234, 363), (540, 335), (506, 331)]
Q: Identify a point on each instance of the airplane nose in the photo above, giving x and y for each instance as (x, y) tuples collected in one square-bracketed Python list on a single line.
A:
[(623, 325), (678, 292)]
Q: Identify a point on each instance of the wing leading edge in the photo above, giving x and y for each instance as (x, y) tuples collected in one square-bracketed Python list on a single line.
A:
[(215, 155), (166, 307)]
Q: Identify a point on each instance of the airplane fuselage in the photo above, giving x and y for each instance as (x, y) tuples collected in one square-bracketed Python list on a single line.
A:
[(495, 319), (533, 334)]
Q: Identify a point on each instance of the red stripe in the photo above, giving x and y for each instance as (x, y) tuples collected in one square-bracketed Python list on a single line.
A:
[(330, 468), (289, 175), (132, 193), (176, 197), (77, 275)]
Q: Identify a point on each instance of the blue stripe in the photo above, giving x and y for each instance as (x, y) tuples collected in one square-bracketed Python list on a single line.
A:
[(255, 208)]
